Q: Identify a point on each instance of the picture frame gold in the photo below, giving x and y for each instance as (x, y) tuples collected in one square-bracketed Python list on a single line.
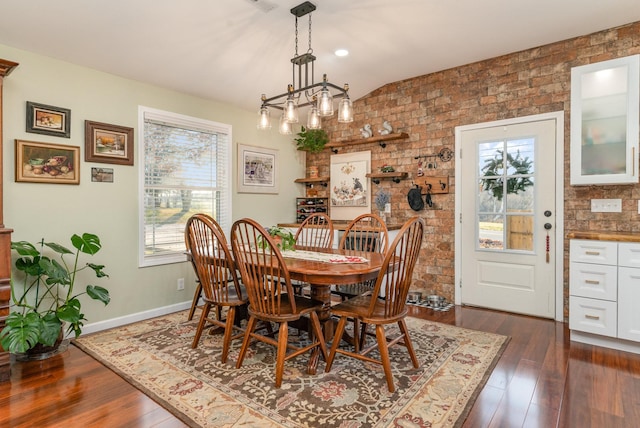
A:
[(106, 143), (48, 120), (47, 163)]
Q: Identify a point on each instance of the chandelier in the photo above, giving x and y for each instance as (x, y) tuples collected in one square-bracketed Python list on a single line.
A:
[(318, 96)]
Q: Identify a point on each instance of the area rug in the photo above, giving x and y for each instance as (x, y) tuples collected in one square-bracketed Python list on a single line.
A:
[(156, 356)]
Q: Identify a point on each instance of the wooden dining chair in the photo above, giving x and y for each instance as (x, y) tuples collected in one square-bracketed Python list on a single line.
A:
[(197, 295), (215, 268), (271, 298), (314, 233), (371, 309), (366, 232)]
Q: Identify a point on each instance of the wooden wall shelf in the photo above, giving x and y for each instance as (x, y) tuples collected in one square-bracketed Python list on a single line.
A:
[(380, 139), (394, 176), (309, 181)]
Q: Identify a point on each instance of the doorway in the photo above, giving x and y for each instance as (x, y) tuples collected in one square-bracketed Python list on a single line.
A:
[(509, 187)]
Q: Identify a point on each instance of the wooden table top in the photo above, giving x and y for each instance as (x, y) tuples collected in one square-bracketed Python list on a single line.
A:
[(322, 273), (606, 236)]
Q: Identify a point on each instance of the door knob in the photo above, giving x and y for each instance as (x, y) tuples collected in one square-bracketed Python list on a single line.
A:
[(547, 213), (547, 226)]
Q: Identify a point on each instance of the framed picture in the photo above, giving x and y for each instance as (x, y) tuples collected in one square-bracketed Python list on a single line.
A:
[(350, 188), (47, 163), (106, 143), (257, 169), (48, 120), (102, 175)]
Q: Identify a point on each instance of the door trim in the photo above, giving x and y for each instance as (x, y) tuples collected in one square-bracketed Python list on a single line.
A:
[(559, 215)]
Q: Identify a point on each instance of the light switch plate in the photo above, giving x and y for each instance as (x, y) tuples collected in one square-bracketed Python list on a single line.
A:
[(606, 205)]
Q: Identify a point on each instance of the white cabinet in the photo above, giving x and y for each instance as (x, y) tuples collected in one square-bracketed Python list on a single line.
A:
[(604, 122), (604, 288)]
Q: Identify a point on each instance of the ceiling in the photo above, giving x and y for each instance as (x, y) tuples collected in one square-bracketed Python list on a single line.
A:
[(235, 50)]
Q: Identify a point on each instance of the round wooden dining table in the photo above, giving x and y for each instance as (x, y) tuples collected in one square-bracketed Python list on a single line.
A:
[(322, 275)]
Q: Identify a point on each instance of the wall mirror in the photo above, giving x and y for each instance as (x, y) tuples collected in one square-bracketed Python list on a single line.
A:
[(604, 122)]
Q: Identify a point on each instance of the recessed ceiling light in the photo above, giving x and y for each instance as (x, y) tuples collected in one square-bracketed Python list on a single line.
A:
[(341, 52)]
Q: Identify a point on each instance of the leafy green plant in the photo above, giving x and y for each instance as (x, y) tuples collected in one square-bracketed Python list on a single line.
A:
[(46, 297), (283, 237), (311, 140)]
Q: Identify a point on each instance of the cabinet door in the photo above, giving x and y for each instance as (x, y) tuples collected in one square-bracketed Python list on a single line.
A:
[(628, 298), (604, 122)]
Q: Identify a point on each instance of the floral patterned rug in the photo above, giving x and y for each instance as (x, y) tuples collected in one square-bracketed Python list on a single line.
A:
[(156, 356)]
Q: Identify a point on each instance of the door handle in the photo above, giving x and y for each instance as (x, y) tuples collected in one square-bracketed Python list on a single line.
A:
[(547, 226)]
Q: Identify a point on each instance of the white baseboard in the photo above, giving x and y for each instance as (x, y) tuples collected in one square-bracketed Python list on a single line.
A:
[(128, 319)]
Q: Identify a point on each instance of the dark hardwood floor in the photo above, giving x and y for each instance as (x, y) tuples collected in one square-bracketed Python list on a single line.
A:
[(542, 380)]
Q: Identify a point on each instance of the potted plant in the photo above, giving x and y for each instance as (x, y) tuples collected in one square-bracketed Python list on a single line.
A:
[(283, 238), (382, 199), (46, 297), (311, 140)]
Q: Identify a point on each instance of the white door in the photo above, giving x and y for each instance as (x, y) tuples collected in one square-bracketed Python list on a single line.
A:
[(507, 215)]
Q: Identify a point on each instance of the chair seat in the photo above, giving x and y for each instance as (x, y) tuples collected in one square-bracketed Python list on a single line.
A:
[(304, 305), (233, 298), (358, 307), (352, 290)]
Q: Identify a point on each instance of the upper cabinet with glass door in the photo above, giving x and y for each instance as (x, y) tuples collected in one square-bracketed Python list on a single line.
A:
[(604, 122)]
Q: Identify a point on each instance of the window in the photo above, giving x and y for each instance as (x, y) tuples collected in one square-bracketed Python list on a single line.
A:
[(185, 168)]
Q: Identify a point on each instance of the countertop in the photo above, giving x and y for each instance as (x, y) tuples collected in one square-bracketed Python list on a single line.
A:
[(340, 225), (606, 236)]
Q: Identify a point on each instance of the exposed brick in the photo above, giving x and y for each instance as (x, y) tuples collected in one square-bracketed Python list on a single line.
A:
[(429, 107)]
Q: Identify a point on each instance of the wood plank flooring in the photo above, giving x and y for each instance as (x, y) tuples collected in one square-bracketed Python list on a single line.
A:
[(542, 380)]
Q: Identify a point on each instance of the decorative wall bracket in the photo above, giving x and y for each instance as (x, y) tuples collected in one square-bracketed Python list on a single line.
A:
[(436, 184)]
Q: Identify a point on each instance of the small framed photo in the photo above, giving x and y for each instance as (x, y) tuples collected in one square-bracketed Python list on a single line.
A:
[(257, 169), (102, 175), (47, 163), (48, 120), (105, 143)]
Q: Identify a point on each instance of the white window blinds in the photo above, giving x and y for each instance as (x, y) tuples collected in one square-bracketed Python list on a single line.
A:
[(186, 169)]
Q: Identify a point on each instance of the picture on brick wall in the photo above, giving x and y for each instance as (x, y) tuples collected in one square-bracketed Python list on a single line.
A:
[(350, 192)]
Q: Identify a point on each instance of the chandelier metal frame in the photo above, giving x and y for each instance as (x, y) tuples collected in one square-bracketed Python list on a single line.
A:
[(303, 82)]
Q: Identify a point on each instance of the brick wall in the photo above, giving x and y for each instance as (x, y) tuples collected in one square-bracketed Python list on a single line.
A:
[(429, 107)]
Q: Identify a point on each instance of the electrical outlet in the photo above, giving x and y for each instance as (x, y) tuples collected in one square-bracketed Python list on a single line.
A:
[(180, 284)]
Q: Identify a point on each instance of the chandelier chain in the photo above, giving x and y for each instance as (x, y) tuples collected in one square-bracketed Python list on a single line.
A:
[(296, 53), (310, 50)]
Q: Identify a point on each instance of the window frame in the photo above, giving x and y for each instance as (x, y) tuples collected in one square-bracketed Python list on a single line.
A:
[(187, 122)]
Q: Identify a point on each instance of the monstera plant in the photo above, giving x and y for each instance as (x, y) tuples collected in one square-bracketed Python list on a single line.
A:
[(45, 294)]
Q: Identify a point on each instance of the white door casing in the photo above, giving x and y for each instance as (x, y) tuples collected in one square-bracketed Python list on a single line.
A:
[(493, 270)]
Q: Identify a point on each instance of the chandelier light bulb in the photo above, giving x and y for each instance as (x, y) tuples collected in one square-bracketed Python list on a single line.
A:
[(264, 118), (285, 127), (345, 110), (313, 118)]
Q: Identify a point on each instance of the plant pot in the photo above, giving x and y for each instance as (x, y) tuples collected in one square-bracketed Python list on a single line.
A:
[(42, 352)]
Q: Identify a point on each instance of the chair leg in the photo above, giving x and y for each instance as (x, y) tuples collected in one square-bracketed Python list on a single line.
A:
[(228, 333), (384, 355), (194, 303), (283, 337), (245, 342), (203, 320), (337, 337), (363, 334), (407, 342), (317, 329)]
